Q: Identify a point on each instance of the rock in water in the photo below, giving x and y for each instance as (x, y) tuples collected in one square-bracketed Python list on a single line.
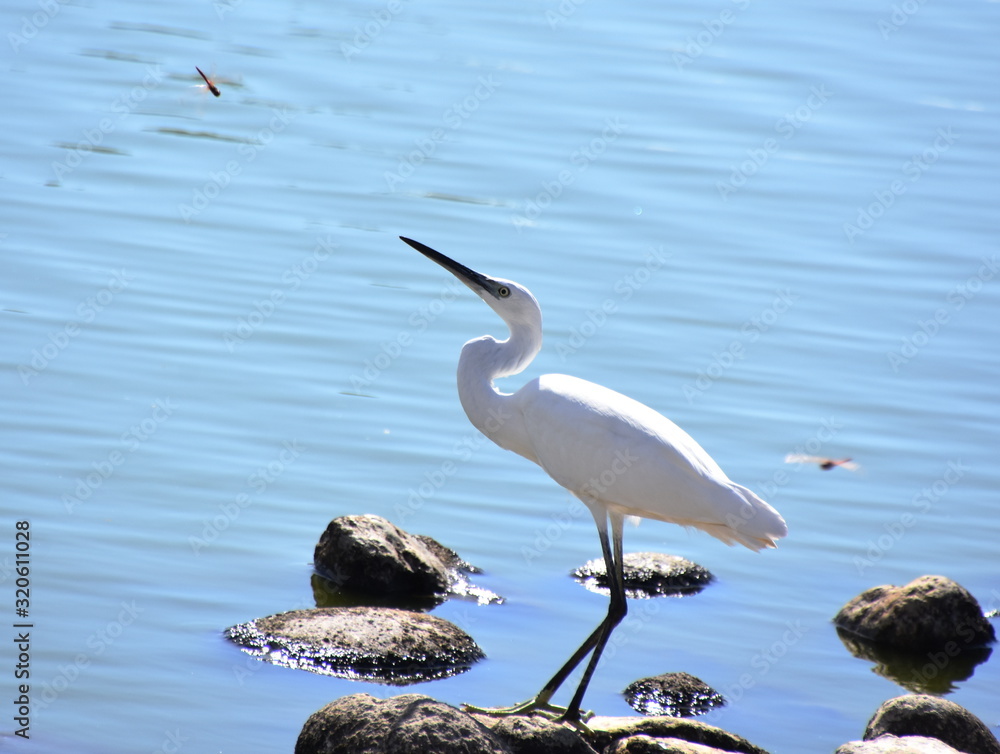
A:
[(931, 716), (648, 574), (371, 557), (927, 613), (378, 644), (673, 694)]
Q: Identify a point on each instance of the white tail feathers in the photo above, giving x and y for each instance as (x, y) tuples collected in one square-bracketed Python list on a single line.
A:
[(740, 517), (755, 524)]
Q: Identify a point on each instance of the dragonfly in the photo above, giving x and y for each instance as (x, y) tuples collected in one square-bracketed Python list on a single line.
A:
[(824, 463), (208, 82)]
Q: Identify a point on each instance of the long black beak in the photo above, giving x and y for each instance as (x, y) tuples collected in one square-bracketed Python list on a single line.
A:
[(474, 280)]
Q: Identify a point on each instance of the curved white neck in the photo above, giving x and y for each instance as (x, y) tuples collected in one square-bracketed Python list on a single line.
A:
[(491, 411)]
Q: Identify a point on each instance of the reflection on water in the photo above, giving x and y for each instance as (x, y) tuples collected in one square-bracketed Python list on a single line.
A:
[(329, 594), (924, 672)]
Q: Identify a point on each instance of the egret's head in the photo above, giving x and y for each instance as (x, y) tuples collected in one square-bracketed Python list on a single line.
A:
[(513, 302)]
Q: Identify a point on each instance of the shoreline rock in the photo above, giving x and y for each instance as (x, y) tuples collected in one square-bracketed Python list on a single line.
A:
[(361, 724), (890, 744), (412, 723), (614, 730), (408, 724), (932, 717)]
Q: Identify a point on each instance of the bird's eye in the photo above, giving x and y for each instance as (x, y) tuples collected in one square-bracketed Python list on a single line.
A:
[(503, 291)]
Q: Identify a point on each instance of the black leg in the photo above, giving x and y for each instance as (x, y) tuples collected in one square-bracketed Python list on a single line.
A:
[(557, 680), (595, 642), (617, 610)]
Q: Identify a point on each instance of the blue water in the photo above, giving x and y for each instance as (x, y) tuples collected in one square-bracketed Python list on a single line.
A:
[(775, 224)]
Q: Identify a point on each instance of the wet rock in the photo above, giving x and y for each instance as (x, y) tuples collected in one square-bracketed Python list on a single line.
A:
[(446, 555), (371, 557), (608, 731), (650, 745), (648, 574), (378, 644), (370, 554), (360, 724), (929, 612), (893, 745), (538, 735), (408, 724), (933, 717), (535, 735), (673, 694)]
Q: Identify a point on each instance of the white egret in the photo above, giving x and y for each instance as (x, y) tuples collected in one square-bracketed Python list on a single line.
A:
[(618, 456)]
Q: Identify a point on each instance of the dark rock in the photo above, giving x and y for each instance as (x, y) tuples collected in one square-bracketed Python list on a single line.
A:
[(609, 730), (894, 745), (408, 724), (360, 724), (648, 574), (538, 735), (535, 735), (673, 694), (377, 644), (927, 671), (369, 554), (929, 612), (446, 555), (368, 557), (931, 716)]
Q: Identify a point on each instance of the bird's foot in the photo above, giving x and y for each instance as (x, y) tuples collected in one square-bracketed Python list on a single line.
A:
[(537, 705), (577, 723), (540, 706)]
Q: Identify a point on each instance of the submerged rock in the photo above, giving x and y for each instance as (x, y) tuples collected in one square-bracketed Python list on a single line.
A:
[(933, 717), (929, 612), (648, 574), (672, 694), (378, 644), (408, 724), (371, 557)]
